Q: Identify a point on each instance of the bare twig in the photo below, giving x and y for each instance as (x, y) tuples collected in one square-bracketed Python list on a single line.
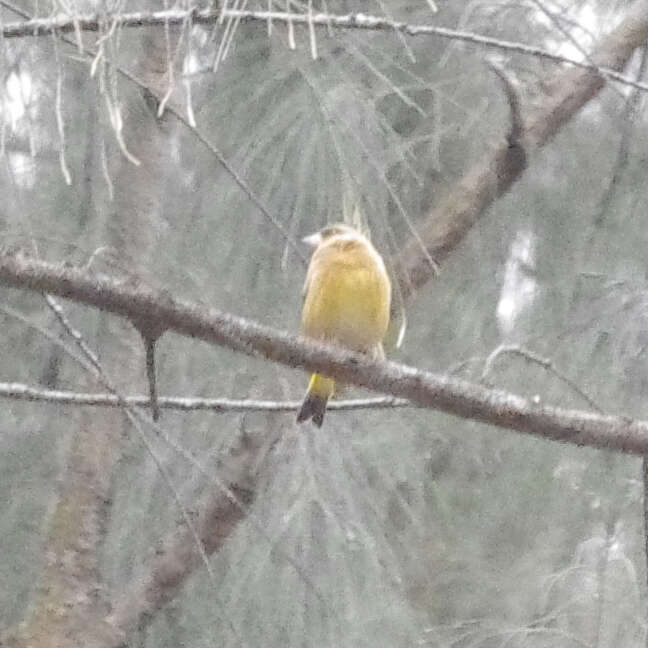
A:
[(451, 395), (20, 391), (357, 21), (545, 363)]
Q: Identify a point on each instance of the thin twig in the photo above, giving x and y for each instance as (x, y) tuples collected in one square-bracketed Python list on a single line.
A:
[(92, 22), (545, 363), (20, 391)]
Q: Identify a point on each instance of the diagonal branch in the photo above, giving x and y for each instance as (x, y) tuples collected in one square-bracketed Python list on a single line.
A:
[(567, 92), (215, 517), (451, 395)]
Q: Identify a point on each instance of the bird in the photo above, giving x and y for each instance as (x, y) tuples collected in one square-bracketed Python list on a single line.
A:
[(346, 301)]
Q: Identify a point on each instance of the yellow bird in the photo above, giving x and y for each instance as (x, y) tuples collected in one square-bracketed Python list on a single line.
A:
[(347, 296)]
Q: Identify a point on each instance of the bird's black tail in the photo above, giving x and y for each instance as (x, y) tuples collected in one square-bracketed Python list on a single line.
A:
[(320, 389), (313, 407)]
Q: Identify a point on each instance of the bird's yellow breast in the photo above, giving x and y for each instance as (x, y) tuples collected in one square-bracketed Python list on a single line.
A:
[(347, 296)]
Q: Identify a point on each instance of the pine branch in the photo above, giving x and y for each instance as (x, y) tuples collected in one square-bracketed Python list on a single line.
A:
[(63, 24), (427, 390)]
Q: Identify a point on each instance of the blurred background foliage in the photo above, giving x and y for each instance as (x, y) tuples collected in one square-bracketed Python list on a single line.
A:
[(412, 527)]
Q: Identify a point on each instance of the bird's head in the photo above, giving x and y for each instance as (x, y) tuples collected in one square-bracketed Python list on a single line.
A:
[(331, 231)]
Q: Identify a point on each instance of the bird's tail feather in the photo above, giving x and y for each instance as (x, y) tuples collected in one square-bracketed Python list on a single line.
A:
[(320, 389)]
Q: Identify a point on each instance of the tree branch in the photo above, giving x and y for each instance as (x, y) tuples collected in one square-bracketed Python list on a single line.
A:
[(357, 21), (20, 391), (567, 92), (451, 395)]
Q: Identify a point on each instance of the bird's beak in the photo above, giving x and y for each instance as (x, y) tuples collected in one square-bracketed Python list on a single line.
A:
[(313, 239)]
